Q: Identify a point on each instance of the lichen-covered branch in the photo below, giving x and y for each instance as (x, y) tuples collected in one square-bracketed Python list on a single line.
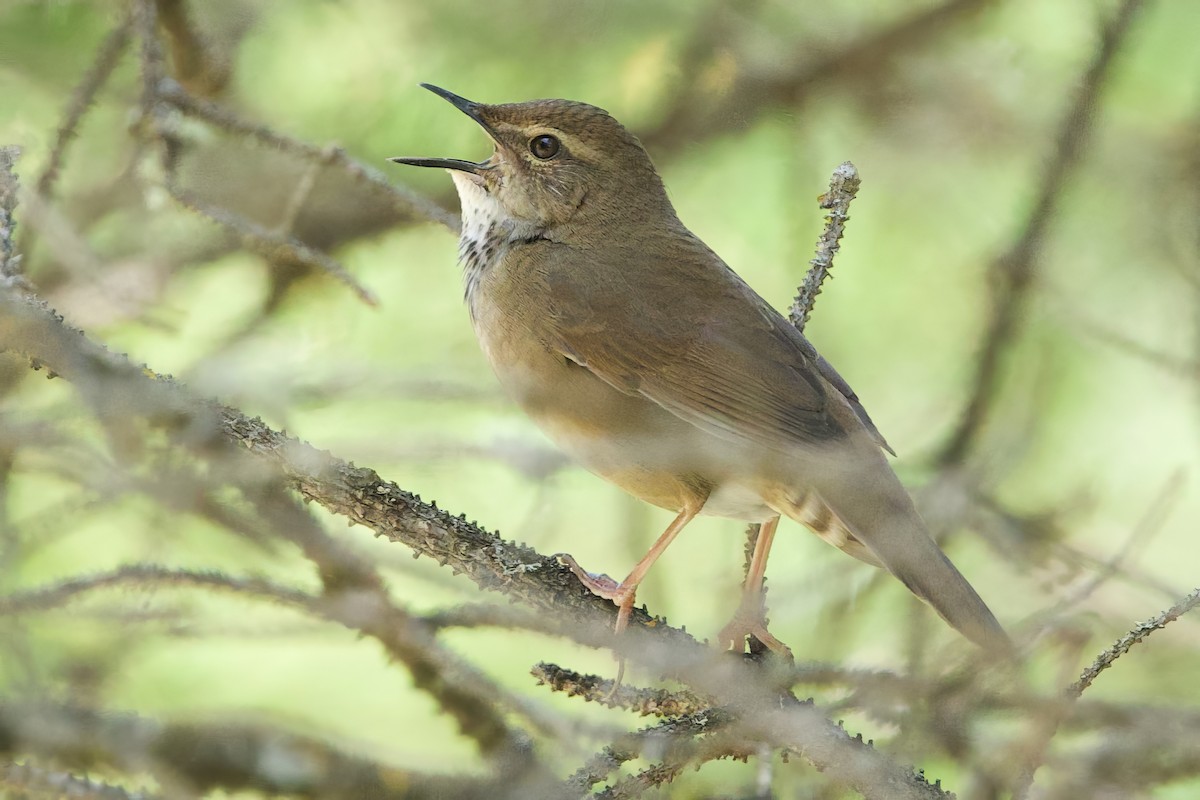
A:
[(843, 186)]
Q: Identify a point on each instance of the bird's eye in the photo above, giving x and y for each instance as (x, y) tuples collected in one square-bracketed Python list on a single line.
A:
[(544, 146)]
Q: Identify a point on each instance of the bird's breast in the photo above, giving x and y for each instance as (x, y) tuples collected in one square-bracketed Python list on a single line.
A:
[(625, 438)]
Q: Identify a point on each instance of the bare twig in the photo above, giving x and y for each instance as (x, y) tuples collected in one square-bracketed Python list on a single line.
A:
[(1060, 711), (403, 201), (113, 383), (108, 55), (1123, 645), (207, 756), (271, 244), (632, 745), (843, 186), (594, 689), (1014, 271), (28, 781), (9, 187), (695, 115)]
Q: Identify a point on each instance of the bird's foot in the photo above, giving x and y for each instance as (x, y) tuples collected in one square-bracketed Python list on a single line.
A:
[(598, 584), (750, 622), (621, 594), (618, 593)]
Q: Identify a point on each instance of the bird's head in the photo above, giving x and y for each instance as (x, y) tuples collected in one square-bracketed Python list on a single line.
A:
[(556, 163)]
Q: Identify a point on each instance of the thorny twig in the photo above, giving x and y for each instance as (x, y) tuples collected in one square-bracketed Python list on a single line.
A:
[(594, 689), (843, 186), (272, 245), (1123, 645), (28, 781), (314, 475), (108, 55), (697, 113), (1072, 693), (9, 186), (403, 201), (363, 497)]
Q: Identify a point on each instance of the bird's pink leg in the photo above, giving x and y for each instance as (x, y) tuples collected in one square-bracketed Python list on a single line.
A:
[(748, 619)]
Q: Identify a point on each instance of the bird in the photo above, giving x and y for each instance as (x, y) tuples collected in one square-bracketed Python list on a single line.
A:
[(645, 357)]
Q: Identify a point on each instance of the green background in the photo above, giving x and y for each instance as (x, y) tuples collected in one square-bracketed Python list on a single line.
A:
[(1092, 435)]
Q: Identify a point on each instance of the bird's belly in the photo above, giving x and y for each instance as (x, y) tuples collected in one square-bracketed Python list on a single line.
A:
[(736, 500), (627, 439)]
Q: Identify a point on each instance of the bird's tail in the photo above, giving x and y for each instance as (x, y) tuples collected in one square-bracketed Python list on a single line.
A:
[(878, 524)]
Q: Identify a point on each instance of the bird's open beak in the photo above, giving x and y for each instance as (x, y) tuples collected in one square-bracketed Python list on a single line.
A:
[(472, 110)]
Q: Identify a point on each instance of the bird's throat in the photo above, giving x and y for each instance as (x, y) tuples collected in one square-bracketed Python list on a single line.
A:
[(486, 231)]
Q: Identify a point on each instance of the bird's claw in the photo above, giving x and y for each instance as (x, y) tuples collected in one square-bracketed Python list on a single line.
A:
[(744, 623), (598, 584)]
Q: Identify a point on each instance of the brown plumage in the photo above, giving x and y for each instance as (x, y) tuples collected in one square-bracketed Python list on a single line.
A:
[(649, 360)]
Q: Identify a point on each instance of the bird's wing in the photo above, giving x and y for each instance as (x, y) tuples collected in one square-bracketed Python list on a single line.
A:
[(690, 335)]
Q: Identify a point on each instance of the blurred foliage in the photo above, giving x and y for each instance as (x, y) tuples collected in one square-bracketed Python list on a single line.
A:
[(1083, 470)]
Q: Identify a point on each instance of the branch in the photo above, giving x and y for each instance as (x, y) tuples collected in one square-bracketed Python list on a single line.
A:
[(403, 201), (1014, 271), (108, 55), (1058, 712), (271, 245), (10, 271), (192, 57), (123, 394), (30, 783), (1123, 645), (207, 756), (843, 186), (697, 115)]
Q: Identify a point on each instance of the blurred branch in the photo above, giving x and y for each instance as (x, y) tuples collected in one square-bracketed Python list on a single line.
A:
[(630, 746), (31, 783), (406, 638), (403, 201), (270, 244), (1152, 522), (153, 70), (1015, 270), (695, 116), (10, 261), (208, 756), (195, 63), (1127, 765), (1061, 710), (108, 55), (123, 394)]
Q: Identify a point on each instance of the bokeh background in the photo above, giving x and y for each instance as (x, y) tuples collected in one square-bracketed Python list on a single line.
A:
[(1070, 503)]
